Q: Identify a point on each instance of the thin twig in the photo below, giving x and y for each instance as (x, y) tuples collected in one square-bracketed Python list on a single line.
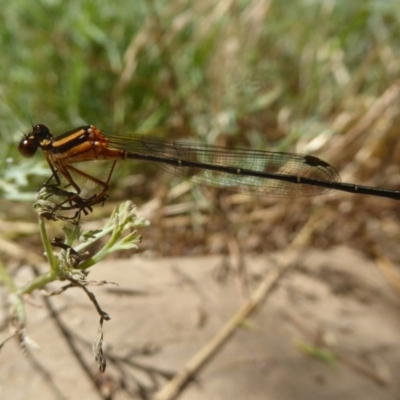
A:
[(69, 339), (92, 298), (173, 387)]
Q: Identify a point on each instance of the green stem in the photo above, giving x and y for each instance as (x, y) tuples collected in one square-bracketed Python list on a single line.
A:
[(39, 282), (54, 273), (54, 265)]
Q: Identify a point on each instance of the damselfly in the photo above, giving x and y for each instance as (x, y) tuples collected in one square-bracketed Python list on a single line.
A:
[(254, 172)]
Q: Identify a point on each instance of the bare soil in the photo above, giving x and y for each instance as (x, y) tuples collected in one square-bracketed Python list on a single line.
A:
[(330, 330)]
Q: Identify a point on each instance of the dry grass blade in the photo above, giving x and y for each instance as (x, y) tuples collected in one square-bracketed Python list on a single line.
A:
[(172, 388)]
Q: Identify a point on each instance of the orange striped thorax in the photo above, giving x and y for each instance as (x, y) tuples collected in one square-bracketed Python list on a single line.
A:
[(81, 144), (85, 143)]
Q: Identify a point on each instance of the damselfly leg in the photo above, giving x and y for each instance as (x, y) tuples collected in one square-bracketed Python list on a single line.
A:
[(255, 172)]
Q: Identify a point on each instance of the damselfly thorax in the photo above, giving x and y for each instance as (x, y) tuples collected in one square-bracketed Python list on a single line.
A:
[(255, 172)]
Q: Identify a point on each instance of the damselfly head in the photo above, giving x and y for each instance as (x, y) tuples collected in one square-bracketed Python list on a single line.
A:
[(39, 136)]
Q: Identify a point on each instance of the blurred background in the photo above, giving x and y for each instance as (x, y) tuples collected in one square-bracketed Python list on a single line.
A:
[(315, 77), (319, 77)]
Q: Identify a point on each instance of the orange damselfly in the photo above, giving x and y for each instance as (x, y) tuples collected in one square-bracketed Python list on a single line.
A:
[(255, 172)]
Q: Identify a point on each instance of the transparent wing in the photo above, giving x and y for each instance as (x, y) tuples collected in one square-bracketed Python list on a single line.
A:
[(237, 163)]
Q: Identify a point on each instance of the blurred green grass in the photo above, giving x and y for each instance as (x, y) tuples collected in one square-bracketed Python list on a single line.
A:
[(264, 74)]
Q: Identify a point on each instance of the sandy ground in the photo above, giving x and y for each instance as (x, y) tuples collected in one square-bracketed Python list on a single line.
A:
[(164, 311)]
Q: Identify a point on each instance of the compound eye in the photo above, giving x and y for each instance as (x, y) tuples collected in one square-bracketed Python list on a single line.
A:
[(27, 147)]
